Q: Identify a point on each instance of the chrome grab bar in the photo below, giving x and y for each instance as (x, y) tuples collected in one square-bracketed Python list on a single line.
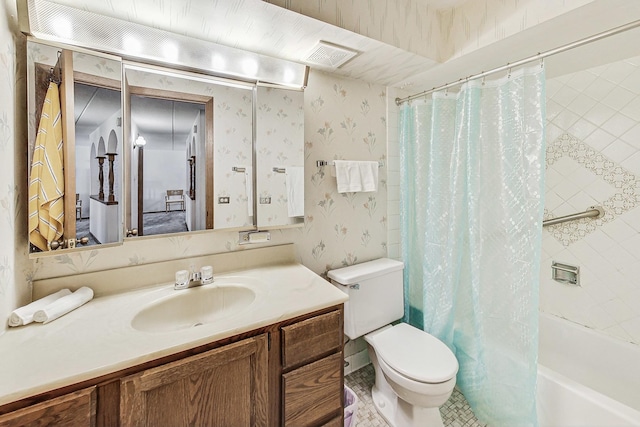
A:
[(592, 212)]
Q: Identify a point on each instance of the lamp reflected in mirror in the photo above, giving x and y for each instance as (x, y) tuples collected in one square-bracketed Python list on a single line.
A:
[(140, 142), (165, 148)]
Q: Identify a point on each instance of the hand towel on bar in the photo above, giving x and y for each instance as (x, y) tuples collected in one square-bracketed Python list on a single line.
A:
[(354, 176), (64, 305), (248, 185), (24, 315), (369, 175), (46, 183), (294, 181)]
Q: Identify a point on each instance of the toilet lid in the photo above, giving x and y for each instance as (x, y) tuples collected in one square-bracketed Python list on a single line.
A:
[(416, 354)]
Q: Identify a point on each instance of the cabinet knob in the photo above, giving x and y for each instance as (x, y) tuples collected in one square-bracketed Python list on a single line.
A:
[(133, 232)]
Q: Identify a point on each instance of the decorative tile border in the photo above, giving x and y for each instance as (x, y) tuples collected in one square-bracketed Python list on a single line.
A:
[(625, 185)]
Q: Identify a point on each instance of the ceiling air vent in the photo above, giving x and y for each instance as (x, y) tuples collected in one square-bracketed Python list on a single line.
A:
[(329, 55)]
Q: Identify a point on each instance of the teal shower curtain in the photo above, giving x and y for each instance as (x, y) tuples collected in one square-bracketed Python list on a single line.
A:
[(471, 214)]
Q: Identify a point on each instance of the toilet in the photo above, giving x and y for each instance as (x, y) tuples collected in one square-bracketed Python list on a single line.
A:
[(414, 371)]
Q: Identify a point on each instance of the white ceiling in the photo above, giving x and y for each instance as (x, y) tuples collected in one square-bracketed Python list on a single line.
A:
[(260, 27), (264, 28)]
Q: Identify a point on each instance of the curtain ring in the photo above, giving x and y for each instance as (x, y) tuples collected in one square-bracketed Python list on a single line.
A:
[(541, 62), (483, 80), (509, 74), (446, 91)]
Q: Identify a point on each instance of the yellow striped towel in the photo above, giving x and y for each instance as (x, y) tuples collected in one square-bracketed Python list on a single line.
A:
[(46, 183)]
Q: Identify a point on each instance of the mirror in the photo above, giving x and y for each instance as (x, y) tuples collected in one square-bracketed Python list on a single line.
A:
[(191, 151), (86, 205), (280, 157)]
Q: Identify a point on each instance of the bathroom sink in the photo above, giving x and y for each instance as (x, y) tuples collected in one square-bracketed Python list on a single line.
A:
[(193, 307)]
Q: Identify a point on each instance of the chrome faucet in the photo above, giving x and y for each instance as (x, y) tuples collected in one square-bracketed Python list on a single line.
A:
[(185, 280)]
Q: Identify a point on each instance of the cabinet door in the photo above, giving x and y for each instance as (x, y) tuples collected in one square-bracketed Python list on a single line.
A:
[(313, 392), (226, 386), (73, 409)]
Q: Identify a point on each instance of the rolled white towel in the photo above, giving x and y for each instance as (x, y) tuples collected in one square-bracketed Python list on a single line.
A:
[(64, 305), (24, 314)]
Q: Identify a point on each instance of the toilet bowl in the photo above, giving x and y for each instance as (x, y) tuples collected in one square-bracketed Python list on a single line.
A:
[(414, 371), (415, 375)]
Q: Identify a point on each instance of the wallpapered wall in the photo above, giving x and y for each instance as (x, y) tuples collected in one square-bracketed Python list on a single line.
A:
[(344, 119), (280, 145), (14, 265), (593, 158)]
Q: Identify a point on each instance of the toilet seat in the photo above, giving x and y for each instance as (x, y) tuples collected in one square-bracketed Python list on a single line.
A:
[(414, 354)]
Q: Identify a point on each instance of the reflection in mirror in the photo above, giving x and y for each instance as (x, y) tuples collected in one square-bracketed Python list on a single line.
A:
[(97, 116), (280, 157), (171, 190), (89, 192), (173, 184)]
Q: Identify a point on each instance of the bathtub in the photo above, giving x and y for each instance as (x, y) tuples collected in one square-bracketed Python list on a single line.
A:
[(586, 378)]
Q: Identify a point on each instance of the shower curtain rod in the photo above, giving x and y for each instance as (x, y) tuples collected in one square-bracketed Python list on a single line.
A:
[(538, 56)]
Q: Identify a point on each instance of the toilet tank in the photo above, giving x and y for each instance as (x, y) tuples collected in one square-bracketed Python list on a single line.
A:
[(375, 290)]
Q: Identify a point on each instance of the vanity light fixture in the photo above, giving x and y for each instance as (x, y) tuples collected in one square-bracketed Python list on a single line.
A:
[(137, 42), (63, 28), (218, 62), (250, 67), (132, 44), (170, 51)]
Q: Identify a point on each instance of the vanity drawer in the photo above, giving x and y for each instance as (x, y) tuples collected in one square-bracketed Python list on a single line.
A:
[(307, 340), (313, 393)]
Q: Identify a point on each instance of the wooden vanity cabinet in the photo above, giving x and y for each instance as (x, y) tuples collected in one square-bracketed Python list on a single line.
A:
[(313, 371), (226, 386), (286, 374), (77, 409)]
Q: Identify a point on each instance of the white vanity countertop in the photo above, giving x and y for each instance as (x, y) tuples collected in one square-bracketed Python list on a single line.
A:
[(98, 339)]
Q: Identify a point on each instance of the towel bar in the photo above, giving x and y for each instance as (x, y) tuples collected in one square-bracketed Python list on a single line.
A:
[(320, 163)]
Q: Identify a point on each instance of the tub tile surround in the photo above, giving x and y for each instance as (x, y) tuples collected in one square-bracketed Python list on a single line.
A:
[(593, 158)]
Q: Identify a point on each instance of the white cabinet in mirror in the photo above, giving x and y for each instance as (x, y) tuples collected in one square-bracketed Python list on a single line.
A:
[(75, 148), (280, 157)]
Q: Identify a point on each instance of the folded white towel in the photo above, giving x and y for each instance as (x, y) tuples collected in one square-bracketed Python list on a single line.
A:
[(353, 176), (294, 182), (64, 305), (24, 315), (369, 175)]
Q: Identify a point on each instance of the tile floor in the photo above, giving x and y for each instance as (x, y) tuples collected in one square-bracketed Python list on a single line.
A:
[(455, 413)]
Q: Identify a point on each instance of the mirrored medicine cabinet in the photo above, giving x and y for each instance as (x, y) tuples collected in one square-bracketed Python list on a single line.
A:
[(152, 150)]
